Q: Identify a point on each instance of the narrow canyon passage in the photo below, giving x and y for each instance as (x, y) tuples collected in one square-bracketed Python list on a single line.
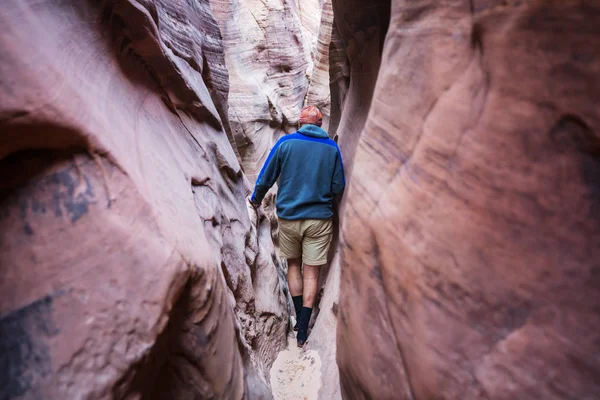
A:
[(139, 143), (466, 254)]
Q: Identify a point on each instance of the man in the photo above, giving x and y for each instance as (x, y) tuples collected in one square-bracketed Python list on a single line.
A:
[(309, 167)]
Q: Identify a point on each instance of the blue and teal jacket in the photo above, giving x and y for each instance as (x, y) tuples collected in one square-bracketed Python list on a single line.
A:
[(310, 171)]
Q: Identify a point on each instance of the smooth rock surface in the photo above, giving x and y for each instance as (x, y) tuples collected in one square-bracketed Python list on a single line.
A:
[(347, 120), (318, 88), (125, 242), (470, 254)]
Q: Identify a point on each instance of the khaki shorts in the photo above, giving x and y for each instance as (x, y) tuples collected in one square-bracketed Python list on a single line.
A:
[(309, 238)]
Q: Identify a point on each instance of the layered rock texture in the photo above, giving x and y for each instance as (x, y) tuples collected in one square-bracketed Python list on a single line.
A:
[(471, 256), (273, 58), (354, 64), (277, 55), (132, 130), (130, 266)]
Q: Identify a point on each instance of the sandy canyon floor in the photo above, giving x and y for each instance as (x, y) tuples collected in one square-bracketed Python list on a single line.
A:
[(296, 373)]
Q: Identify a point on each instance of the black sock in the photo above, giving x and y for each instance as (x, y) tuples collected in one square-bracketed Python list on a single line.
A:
[(297, 305), (304, 319)]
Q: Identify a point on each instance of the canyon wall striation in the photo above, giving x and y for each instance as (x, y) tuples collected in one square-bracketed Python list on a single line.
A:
[(130, 263), (132, 131), (470, 244), (274, 57), (277, 55)]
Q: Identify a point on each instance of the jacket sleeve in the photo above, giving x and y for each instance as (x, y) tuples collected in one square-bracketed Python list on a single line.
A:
[(339, 182), (268, 175)]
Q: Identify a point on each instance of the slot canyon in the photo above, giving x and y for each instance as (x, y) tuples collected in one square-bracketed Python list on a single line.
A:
[(465, 261)]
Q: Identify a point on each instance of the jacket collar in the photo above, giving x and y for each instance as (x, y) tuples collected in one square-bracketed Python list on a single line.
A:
[(313, 131)]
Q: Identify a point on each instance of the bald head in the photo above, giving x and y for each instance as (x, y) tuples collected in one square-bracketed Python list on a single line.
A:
[(310, 115)]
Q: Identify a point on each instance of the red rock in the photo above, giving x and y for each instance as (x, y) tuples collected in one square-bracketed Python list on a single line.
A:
[(125, 242), (270, 51), (470, 254), (276, 65)]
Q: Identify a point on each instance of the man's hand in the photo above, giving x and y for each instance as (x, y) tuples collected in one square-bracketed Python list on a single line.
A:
[(253, 204)]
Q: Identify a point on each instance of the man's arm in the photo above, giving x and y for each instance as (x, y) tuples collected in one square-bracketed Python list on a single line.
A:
[(268, 175), (339, 182)]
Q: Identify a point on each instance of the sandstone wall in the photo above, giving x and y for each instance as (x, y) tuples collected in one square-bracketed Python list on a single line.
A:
[(125, 242), (346, 129), (470, 252), (277, 54), (270, 47)]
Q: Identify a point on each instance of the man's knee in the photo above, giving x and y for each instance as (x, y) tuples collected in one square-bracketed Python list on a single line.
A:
[(311, 277), (294, 276), (309, 299), (294, 262), (311, 271)]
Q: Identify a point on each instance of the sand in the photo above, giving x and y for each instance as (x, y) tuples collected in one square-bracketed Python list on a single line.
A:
[(296, 373)]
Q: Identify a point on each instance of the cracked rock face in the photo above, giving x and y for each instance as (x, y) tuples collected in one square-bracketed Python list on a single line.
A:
[(130, 265), (471, 231)]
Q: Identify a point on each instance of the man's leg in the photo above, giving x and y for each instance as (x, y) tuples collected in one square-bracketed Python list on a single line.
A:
[(311, 277), (295, 284), (315, 246), (294, 276), (290, 246)]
